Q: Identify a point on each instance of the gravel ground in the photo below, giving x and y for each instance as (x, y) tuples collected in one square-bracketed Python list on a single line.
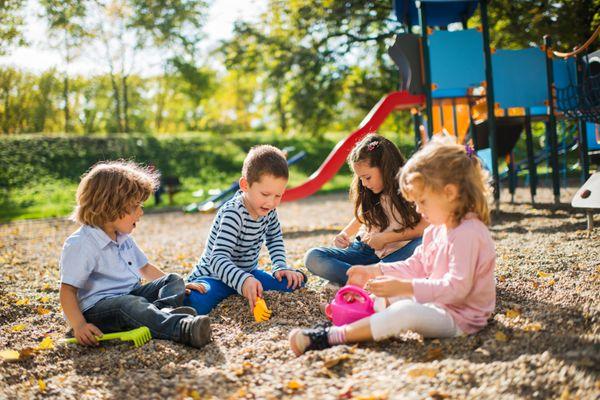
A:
[(542, 342)]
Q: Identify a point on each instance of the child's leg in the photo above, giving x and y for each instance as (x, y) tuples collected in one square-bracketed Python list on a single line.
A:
[(405, 252), (128, 312), (426, 319), (216, 291), (269, 282), (332, 263), (166, 291)]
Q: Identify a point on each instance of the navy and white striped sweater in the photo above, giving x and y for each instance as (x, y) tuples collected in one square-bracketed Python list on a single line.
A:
[(234, 243)]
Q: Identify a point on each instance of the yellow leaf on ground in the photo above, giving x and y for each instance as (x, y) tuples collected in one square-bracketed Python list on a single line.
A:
[(18, 328), (9, 355), (417, 372), (22, 302), (41, 385), (295, 385), (501, 336), (44, 299), (513, 313), (42, 311), (544, 274), (551, 282), (46, 344), (533, 327)]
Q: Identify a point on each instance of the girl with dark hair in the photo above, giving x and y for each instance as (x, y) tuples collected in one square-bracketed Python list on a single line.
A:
[(385, 227)]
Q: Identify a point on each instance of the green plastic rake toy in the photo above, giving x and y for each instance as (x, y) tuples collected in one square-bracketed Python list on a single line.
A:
[(138, 336)]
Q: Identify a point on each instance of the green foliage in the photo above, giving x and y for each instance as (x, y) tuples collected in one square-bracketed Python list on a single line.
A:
[(11, 24)]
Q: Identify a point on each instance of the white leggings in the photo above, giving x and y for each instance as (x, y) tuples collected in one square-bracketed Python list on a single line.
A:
[(429, 320)]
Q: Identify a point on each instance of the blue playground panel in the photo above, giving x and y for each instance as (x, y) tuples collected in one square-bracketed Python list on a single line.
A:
[(457, 61), (565, 72), (442, 13), (485, 155), (593, 136), (520, 78)]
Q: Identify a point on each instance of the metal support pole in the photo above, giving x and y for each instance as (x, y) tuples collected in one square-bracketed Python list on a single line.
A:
[(489, 90), (416, 118), (530, 157), (552, 120), (426, 67), (584, 157)]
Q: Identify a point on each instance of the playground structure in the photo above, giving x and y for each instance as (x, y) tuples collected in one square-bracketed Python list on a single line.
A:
[(459, 84)]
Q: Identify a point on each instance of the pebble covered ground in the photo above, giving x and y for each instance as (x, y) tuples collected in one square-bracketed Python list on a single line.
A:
[(543, 341)]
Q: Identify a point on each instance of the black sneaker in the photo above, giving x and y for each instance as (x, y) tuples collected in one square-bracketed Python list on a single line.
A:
[(195, 331), (180, 310), (303, 340)]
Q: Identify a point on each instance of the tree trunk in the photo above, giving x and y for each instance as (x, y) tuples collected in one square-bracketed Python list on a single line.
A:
[(281, 111), (125, 103), (66, 100), (117, 104)]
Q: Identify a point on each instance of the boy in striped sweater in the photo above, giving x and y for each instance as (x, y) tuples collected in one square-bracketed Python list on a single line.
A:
[(229, 263)]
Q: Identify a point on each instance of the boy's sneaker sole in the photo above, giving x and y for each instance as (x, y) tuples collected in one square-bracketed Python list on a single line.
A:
[(181, 310)]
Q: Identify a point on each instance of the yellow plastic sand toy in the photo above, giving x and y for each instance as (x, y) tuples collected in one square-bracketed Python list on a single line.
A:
[(261, 312)]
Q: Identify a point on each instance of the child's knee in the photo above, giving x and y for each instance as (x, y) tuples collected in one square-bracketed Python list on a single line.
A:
[(314, 260)]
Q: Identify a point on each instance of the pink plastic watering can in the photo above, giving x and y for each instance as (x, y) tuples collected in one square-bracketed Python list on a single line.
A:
[(347, 309)]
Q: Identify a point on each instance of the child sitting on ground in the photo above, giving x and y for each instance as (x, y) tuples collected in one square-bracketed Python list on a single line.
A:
[(386, 226), (447, 287), (101, 265), (229, 263)]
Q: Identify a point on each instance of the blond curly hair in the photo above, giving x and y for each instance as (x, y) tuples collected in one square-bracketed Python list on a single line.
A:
[(112, 189), (442, 162)]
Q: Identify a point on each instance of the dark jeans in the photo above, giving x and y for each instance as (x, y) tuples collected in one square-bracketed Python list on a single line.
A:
[(332, 263), (141, 307)]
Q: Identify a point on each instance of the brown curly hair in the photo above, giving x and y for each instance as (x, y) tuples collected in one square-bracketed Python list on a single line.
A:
[(111, 189)]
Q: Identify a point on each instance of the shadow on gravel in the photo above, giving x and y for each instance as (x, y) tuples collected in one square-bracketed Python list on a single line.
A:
[(309, 233)]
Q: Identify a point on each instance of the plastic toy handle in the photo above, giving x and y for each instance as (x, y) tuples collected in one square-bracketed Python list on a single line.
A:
[(353, 289), (328, 312)]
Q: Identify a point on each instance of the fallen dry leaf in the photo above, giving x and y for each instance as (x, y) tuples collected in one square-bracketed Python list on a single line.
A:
[(533, 327), (434, 354), (46, 344), (18, 328), (9, 355), (501, 336), (513, 313), (332, 362), (41, 385), (294, 385), (42, 311), (418, 372)]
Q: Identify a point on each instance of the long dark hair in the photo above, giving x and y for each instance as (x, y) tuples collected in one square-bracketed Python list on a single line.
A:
[(380, 153)]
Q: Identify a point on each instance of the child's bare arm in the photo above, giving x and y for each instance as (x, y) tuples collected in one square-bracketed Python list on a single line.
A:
[(84, 332), (342, 239), (150, 272)]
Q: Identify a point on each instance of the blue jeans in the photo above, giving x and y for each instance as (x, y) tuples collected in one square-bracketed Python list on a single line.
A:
[(141, 307), (217, 291), (332, 263)]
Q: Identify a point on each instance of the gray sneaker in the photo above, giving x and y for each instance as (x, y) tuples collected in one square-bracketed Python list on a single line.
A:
[(195, 331), (180, 310)]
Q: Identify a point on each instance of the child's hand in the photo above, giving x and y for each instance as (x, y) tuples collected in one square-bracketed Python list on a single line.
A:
[(252, 289), (375, 240), (198, 287), (294, 278), (358, 275), (86, 334), (341, 240), (388, 286)]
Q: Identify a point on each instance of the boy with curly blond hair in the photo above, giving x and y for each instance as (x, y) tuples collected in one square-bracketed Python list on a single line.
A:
[(101, 265)]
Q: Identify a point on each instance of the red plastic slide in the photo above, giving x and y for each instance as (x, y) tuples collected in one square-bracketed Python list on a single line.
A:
[(337, 157)]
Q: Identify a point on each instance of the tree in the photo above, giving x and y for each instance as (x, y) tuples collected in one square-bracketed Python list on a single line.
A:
[(65, 23), (11, 23)]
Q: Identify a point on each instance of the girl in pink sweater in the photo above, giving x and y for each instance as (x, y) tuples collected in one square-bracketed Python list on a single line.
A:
[(447, 287)]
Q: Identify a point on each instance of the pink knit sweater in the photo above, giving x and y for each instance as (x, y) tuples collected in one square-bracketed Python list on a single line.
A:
[(453, 268)]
